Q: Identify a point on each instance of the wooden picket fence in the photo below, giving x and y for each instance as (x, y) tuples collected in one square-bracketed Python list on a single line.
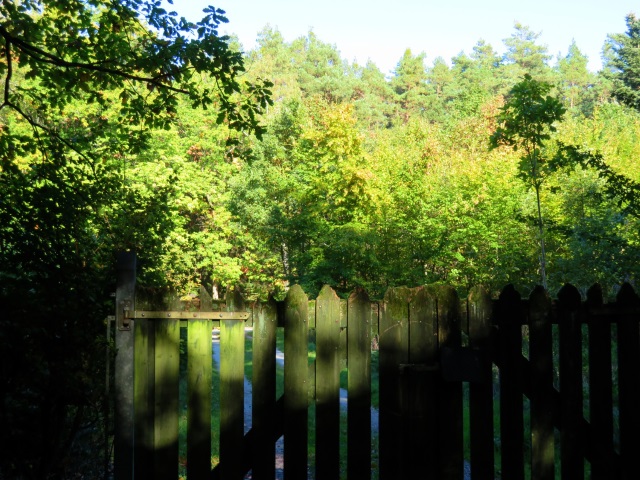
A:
[(433, 348)]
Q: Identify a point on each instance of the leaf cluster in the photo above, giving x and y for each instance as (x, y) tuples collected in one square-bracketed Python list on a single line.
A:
[(526, 121), (83, 49), (623, 190)]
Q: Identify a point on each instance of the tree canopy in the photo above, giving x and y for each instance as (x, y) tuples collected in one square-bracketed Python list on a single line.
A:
[(79, 49)]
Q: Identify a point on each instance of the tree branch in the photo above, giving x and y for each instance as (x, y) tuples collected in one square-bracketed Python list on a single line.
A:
[(46, 57), (7, 80), (36, 125)]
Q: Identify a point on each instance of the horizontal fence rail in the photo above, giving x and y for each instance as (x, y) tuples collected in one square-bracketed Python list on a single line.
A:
[(502, 387)]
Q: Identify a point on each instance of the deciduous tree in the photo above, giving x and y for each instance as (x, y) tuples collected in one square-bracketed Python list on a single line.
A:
[(525, 122)]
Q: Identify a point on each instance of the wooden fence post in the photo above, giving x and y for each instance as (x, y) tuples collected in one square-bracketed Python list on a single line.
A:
[(327, 384), (509, 317), (123, 415), (571, 440), (296, 371), (479, 308), (541, 353), (359, 386)]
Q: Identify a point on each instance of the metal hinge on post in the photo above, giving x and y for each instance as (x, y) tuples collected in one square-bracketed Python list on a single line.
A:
[(124, 323)]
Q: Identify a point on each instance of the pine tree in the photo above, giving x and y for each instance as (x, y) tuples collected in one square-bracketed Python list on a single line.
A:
[(623, 65)]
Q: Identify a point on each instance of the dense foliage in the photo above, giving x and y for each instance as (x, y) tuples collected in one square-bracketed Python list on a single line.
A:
[(86, 88), (336, 173)]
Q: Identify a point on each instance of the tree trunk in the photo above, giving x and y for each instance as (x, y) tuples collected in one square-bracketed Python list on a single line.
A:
[(543, 258)]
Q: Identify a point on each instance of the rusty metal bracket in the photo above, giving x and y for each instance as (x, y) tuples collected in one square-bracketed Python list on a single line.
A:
[(181, 315), (124, 323)]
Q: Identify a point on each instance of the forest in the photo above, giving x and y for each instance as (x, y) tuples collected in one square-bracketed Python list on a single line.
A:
[(125, 128)]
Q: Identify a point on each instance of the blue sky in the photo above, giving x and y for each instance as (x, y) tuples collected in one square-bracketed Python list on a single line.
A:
[(383, 30)]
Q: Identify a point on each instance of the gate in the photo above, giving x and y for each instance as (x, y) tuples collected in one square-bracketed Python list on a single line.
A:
[(478, 387)]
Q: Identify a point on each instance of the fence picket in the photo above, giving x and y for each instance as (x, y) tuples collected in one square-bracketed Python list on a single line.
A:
[(600, 388), (629, 383), (264, 389), (541, 348), (571, 440), (422, 367), (199, 379), (296, 371), (394, 351), (423, 377), (450, 439), (167, 372), (479, 307), (359, 386), (143, 400), (232, 392), (327, 384), (509, 317)]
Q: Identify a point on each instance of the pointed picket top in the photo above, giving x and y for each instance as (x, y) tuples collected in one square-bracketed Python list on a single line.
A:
[(423, 317), (448, 309), (446, 293), (360, 302), (296, 302), (393, 293), (206, 302), (295, 295), (569, 297), (395, 305), (539, 303), (479, 295), (627, 296), (423, 303), (594, 296), (234, 300), (480, 309), (327, 309), (509, 294), (359, 295), (328, 293)]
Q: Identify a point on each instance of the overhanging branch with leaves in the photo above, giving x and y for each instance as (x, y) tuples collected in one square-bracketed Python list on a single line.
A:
[(617, 186)]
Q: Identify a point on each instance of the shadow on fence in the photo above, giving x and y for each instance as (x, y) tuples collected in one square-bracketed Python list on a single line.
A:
[(578, 375)]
